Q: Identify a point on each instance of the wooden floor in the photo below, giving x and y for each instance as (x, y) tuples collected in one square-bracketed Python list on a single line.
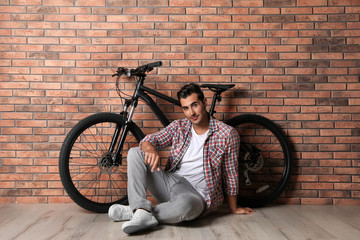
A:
[(68, 221)]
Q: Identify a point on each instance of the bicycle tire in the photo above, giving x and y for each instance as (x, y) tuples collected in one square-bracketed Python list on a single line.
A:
[(266, 151), (83, 169)]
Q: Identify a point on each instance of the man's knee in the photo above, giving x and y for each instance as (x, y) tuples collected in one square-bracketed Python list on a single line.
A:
[(133, 152), (192, 206), (135, 155)]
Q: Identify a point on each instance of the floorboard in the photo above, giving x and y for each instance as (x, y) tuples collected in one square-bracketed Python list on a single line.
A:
[(68, 221)]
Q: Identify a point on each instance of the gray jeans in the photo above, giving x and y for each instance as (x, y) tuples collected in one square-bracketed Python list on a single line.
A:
[(177, 199)]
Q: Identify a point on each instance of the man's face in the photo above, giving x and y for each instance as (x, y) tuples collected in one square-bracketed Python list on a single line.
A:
[(194, 109)]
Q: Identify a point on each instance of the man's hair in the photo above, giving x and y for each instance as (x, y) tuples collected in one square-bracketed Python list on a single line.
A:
[(189, 89)]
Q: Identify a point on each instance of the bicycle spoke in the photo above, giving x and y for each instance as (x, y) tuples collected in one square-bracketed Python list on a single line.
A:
[(264, 159), (117, 188), (89, 175)]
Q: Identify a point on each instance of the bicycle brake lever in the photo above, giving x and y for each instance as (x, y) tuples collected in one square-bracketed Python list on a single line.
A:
[(121, 71)]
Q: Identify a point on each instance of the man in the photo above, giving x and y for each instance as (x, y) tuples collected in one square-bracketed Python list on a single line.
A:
[(202, 164)]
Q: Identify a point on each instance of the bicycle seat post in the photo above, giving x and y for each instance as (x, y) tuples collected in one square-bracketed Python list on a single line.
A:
[(217, 89), (216, 97)]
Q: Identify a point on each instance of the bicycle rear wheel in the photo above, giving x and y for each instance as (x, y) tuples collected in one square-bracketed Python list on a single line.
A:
[(85, 163), (264, 161)]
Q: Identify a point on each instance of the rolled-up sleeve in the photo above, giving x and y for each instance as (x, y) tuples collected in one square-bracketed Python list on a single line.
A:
[(161, 139), (230, 164)]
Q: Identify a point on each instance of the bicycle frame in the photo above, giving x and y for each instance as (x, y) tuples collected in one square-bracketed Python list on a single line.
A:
[(141, 92)]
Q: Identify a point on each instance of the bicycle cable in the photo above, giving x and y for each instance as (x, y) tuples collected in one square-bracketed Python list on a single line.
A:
[(121, 92)]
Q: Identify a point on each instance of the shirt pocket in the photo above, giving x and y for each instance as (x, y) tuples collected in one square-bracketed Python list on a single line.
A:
[(215, 157)]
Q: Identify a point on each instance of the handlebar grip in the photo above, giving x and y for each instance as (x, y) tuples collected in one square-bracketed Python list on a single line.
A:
[(154, 64)]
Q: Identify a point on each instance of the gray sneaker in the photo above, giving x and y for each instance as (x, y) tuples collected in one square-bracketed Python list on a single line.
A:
[(119, 213), (141, 220)]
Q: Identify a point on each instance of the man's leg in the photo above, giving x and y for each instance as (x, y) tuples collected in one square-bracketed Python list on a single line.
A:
[(178, 200), (185, 204), (140, 178)]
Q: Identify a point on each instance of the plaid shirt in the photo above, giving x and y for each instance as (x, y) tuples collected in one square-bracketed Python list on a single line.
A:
[(221, 151)]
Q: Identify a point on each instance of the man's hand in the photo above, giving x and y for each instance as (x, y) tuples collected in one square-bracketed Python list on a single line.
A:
[(152, 157), (241, 210), (237, 210)]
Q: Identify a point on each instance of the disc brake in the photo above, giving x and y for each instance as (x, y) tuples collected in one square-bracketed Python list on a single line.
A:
[(106, 164)]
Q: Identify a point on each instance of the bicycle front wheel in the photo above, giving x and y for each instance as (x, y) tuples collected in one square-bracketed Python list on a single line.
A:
[(85, 163), (264, 161)]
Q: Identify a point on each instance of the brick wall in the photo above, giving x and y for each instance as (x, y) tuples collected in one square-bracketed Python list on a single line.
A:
[(295, 61)]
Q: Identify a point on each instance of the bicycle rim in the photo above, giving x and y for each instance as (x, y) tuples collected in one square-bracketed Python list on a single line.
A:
[(265, 156), (87, 175)]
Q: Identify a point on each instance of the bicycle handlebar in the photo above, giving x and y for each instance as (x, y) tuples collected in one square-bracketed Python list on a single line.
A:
[(139, 71), (154, 64)]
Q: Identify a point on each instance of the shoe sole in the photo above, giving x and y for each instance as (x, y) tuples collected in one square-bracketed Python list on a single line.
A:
[(135, 228)]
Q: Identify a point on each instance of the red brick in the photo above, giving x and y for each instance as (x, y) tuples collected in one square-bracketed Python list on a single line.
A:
[(297, 10), (60, 18), (352, 9), (330, 25), (317, 33), (218, 48), (316, 201), (218, 63), (263, 56), (61, 33), (297, 41), (265, 26), (27, 32), (317, 186), (311, 18), (12, 9), (247, 19), (347, 17), (43, 25), (25, 2), (138, 41), (346, 201), (267, 41), (232, 11), (312, 3), (334, 178), (203, 71), (334, 194), (343, 2), (216, 18), (234, 71), (5, 63), (28, 17)]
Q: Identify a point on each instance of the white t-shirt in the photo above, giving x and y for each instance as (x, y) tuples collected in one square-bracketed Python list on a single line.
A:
[(192, 164)]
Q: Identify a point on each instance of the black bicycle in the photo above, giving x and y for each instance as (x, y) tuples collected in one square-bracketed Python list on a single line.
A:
[(93, 164)]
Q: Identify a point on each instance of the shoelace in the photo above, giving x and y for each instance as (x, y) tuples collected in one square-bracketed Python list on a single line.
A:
[(128, 213)]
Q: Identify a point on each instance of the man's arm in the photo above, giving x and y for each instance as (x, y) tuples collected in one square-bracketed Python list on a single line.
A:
[(231, 174), (233, 206), (161, 139), (156, 141), (151, 156)]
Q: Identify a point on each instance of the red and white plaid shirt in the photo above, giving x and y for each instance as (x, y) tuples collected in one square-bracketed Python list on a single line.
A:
[(221, 151)]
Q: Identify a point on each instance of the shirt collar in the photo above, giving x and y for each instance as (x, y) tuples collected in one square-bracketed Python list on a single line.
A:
[(213, 127)]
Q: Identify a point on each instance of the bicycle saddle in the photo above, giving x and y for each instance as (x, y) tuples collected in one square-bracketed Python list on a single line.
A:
[(217, 87)]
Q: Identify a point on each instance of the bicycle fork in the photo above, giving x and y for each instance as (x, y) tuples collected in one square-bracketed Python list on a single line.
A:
[(121, 132)]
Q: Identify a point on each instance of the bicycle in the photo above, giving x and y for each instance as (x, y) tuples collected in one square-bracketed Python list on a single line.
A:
[(92, 161)]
